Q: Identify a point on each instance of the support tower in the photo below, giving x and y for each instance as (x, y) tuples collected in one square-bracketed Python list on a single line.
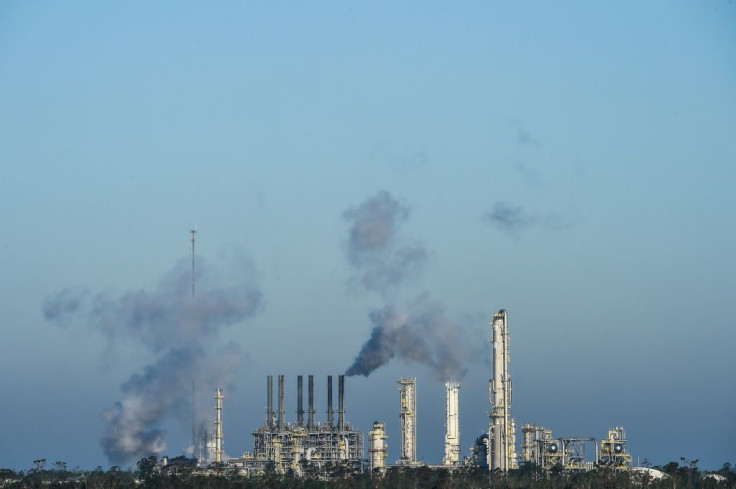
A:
[(501, 434), (452, 425), (408, 418)]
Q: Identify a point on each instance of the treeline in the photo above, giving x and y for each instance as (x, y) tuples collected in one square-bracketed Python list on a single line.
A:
[(679, 476)]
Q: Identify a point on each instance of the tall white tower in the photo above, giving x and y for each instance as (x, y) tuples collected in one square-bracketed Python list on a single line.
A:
[(452, 425), (501, 435), (379, 448), (408, 415), (218, 425)]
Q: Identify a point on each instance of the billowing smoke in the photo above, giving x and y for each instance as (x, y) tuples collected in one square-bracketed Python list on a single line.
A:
[(419, 333), (181, 329), (422, 335), (513, 219), (380, 262)]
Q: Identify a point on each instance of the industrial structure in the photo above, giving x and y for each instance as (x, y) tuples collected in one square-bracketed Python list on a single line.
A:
[(502, 431), (452, 425), (292, 446), (307, 446), (408, 417), (379, 447), (571, 453)]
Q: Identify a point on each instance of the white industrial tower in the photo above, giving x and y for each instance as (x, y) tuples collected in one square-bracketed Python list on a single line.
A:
[(501, 435), (379, 448), (408, 415), (452, 425), (218, 425)]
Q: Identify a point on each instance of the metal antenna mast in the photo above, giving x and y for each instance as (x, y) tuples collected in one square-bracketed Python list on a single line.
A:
[(194, 392)]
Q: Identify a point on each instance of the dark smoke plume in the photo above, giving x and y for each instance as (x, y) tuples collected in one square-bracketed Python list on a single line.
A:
[(422, 335), (372, 245), (513, 219), (181, 329)]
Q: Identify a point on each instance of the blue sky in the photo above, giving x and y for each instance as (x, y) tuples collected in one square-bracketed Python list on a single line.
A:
[(573, 164)]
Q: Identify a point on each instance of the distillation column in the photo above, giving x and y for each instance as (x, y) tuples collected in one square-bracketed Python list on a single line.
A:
[(218, 426), (501, 435), (407, 415), (379, 447), (452, 425)]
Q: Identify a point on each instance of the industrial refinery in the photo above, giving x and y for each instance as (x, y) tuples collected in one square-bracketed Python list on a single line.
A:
[(307, 446)]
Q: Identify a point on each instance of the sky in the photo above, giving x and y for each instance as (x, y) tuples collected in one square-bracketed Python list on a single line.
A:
[(369, 182)]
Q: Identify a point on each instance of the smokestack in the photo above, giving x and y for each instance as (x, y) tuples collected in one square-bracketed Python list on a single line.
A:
[(282, 413), (330, 413), (310, 419), (299, 405), (269, 402), (218, 425), (341, 402)]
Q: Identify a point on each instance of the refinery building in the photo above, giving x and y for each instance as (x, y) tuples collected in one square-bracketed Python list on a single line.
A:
[(307, 446)]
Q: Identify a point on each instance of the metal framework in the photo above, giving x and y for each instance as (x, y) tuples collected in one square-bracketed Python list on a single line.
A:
[(294, 446), (408, 418), (452, 425), (502, 430)]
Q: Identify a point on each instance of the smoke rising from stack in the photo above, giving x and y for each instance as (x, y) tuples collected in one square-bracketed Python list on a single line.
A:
[(422, 335), (419, 333), (513, 219), (372, 245), (181, 329)]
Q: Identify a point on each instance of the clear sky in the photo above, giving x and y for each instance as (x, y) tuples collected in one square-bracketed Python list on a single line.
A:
[(571, 162)]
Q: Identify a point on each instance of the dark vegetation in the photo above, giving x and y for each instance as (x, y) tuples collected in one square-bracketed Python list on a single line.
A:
[(685, 475)]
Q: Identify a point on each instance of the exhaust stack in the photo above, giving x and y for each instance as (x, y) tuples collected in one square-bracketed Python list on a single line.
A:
[(269, 402), (310, 411), (218, 425), (330, 412), (282, 413), (299, 405), (341, 403)]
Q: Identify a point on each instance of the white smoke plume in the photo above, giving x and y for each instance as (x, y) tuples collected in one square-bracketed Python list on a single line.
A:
[(181, 329)]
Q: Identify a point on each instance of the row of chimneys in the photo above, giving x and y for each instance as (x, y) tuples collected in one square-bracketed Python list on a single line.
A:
[(279, 423)]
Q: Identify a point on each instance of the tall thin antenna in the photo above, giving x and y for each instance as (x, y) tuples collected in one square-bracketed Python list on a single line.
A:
[(194, 236), (194, 391)]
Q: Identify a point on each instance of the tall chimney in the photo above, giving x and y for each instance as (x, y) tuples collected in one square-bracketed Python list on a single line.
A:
[(341, 403), (218, 425), (282, 413), (269, 402), (310, 412), (299, 405), (330, 413)]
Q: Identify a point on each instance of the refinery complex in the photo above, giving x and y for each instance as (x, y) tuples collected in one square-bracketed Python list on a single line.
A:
[(308, 446)]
